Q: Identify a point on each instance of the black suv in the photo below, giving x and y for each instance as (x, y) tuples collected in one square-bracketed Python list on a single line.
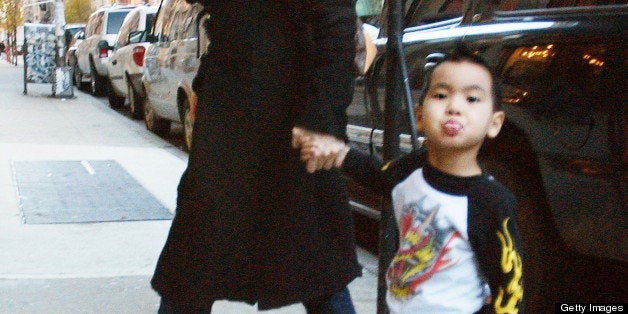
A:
[(562, 150)]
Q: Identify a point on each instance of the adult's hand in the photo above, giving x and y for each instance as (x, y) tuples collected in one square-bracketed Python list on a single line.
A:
[(318, 150)]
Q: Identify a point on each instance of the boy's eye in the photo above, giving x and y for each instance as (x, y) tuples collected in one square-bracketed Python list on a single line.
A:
[(440, 95), (473, 99)]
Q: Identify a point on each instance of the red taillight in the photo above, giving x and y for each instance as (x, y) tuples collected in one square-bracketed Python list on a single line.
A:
[(103, 52), (138, 55)]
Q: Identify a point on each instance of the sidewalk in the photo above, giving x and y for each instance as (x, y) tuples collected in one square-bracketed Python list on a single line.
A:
[(98, 267)]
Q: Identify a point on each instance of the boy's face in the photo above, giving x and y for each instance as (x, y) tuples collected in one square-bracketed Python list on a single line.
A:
[(457, 112)]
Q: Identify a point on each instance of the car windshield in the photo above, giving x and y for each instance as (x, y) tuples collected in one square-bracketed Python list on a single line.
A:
[(115, 21)]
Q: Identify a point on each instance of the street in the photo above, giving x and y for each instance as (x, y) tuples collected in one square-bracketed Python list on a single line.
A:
[(72, 174)]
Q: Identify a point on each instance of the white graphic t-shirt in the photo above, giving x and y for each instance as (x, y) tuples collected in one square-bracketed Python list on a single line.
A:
[(434, 269)]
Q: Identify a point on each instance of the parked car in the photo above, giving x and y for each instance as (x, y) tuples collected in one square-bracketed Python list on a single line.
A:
[(70, 55), (70, 30), (93, 52), (125, 65), (170, 64), (562, 150)]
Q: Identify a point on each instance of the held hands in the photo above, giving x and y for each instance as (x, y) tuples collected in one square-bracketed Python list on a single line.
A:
[(319, 150)]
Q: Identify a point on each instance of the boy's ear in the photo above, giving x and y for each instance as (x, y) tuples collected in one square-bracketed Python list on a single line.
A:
[(496, 123)]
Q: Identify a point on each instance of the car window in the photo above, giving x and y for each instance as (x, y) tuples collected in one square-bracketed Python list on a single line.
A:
[(131, 23), (74, 30), (177, 26), (523, 69), (165, 23), (114, 21), (150, 20), (189, 27), (94, 25), (568, 85), (530, 72)]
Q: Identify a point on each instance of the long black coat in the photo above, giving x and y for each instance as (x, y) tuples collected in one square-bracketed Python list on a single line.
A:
[(251, 224)]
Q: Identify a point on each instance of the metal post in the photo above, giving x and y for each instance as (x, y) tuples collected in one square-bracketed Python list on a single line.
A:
[(392, 118), (61, 86)]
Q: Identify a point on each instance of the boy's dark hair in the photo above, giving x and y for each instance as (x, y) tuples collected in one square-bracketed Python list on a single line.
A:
[(463, 53)]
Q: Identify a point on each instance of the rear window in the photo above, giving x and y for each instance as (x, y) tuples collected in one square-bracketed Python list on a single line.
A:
[(74, 30), (115, 21)]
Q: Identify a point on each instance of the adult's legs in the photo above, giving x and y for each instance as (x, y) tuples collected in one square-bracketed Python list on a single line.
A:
[(338, 303), (170, 307)]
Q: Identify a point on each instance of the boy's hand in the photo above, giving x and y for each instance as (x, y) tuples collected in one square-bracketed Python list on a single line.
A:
[(319, 150)]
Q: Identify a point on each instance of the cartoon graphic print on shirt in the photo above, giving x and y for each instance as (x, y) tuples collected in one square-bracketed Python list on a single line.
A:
[(509, 298), (423, 249)]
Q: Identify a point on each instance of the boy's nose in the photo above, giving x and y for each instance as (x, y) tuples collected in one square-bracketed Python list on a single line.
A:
[(454, 105)]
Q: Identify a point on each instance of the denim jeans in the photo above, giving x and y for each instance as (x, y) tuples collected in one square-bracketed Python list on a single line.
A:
[(338, 303)]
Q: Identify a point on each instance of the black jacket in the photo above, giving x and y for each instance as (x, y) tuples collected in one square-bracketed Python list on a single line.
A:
[(251, 223)]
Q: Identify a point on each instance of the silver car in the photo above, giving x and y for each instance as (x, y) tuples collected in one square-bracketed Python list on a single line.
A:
[(170, 64)]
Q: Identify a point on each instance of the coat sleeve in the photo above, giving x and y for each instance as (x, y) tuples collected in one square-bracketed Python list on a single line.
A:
[(332, 26), (500, 257), (509, 295), (377, 176), (367, 171)]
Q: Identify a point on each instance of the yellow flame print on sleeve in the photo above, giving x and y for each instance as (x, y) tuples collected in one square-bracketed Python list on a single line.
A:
[(508, 298)]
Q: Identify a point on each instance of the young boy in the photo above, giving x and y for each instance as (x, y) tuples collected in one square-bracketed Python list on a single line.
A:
[(459, 249)]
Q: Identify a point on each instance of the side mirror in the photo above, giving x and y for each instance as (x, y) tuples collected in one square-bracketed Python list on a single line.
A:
[(103, 44)]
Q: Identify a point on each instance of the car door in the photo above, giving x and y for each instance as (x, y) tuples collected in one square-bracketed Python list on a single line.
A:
[(158, 91), (183, 59), (171, 62), (173, 58)]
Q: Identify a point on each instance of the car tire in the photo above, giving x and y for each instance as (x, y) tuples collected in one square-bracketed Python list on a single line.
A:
[(136, 102), (115, 101), (73, 69), (154, 122), (186, 121), (78, 77), (98, 82)]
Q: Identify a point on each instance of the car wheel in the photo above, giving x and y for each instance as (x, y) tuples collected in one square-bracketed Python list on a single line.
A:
[(98, 83), (73, 69), (188, 125), (136, 102), (115, 101), (78, 77), (154, 122)]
